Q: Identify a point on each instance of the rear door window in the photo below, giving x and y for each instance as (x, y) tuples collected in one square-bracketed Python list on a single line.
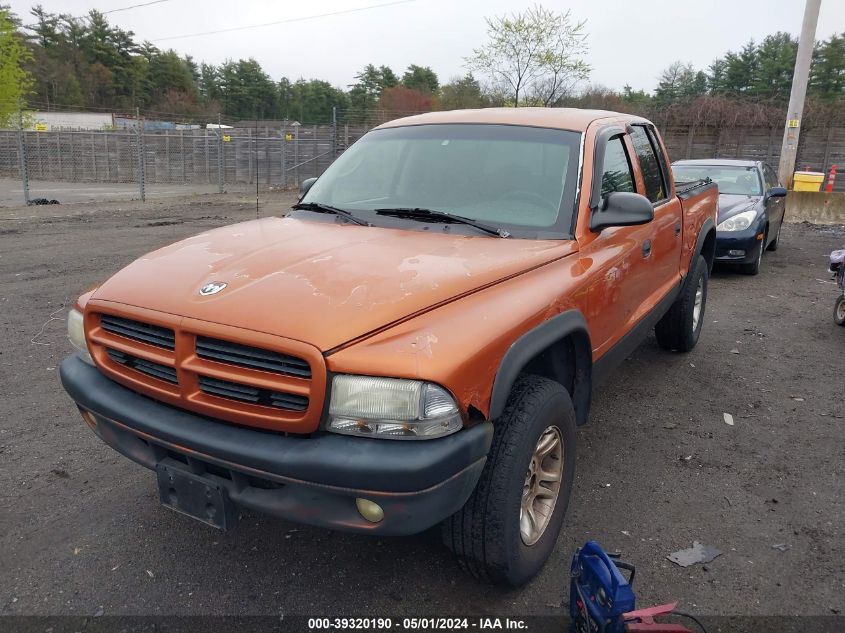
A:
[(616, 173), (653, 178)]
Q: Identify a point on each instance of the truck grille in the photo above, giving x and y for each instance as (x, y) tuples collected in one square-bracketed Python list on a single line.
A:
[(245, 393), (143, 332), (251, 357), (273, 383), (162, 372)]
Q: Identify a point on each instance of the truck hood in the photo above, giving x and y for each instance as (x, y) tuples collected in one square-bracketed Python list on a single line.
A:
[(322, 283)]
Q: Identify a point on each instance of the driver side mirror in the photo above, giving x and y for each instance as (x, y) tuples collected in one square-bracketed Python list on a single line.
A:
[(304, 186), (621, 208), (777, 192)]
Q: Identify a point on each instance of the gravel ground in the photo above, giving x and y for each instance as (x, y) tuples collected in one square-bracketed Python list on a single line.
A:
[(81, 531)]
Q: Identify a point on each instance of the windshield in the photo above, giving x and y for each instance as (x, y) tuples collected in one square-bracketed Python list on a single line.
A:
[(518, 178), (734, 179)]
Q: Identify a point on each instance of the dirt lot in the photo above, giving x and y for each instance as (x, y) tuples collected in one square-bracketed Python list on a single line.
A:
[(81, 531)]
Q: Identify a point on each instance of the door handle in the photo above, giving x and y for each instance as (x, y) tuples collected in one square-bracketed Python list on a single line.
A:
[(646, 248), (677, 228)]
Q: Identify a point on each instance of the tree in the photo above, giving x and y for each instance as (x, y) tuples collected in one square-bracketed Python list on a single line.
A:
[(775, 63), (402, 99), (827, 74), (679, 81), (538, 53), (246, 91), (461, 93), (209, 83), (169, 73), (15, 80), (635, 98), (741, 70), (310, 101), (46, 27), (716, 78), (364, 93), (421, 79)]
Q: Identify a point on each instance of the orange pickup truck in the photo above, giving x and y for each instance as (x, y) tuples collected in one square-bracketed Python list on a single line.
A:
[(415, 342)]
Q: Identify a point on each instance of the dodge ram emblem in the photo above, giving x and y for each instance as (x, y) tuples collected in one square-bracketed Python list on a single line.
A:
[(212, 288)]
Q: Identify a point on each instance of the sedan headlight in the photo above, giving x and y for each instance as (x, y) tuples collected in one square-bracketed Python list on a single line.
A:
[(739, 222), (76, 335), (391, 408)]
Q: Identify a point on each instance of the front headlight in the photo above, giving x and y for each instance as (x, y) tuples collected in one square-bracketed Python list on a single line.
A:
[(739, 222), (76, 335), (391, 408)]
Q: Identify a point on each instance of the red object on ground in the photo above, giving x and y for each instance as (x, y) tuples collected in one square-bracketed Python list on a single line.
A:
[(642, 620), (831, 179)]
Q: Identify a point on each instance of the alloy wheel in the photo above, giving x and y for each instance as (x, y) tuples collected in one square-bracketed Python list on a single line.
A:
[(542, 485), (699, 301)]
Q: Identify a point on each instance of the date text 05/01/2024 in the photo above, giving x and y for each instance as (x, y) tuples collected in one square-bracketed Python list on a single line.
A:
[(415, 624)]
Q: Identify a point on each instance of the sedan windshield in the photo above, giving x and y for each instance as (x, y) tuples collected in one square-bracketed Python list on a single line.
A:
[(732, 179), (519, 179)]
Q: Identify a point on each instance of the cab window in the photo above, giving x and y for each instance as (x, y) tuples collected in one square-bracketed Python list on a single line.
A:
[(616, 174), (655, 188)]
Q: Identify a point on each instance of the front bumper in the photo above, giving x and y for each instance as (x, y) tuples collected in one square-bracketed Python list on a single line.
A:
[(746, 241), (312, 480)]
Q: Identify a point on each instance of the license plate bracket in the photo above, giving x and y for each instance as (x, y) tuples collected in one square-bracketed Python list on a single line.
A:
[(196, 496)]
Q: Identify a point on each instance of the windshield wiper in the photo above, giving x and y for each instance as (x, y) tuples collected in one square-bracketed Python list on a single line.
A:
[(319, 207), (445, 216)]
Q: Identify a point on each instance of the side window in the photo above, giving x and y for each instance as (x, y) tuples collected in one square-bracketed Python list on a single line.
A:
[(616, 173), (770, 176), (655, 188), (661, 157)]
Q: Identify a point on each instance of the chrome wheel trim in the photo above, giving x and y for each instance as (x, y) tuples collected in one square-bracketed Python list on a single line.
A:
[(542, 486), (840, 310), (699, 300)]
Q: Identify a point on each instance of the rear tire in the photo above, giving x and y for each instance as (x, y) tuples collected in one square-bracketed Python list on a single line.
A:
[(487, 534), (839, 310), (680, 327)]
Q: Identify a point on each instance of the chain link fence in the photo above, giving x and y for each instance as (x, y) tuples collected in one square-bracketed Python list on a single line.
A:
[(80, 166)]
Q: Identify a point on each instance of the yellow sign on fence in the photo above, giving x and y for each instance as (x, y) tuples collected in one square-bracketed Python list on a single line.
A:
[(226, 138), (41, 127), (288, 137)]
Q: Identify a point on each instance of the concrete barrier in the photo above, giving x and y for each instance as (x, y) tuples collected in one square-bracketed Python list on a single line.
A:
[(817, 207)]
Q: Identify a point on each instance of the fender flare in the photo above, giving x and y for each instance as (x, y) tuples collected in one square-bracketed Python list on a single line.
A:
[(566, 324), (703, 232)]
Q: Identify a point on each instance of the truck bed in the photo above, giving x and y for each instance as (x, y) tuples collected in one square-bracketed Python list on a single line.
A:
[(686, 190)]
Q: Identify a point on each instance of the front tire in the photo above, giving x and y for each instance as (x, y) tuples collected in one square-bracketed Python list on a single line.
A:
[(754, 267), (507, 529), (776, 242), (680, 327)]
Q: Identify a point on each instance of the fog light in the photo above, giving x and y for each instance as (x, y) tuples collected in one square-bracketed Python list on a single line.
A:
[(90, 420), (369, 510), (736, 253)]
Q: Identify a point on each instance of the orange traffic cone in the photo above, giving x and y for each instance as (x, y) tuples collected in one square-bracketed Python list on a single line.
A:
[(831, 179)]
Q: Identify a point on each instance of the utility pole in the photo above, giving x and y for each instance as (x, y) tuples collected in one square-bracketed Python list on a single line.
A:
[(792, 129)]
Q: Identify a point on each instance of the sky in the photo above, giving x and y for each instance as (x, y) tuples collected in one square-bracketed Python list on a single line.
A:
[(630, 42)]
